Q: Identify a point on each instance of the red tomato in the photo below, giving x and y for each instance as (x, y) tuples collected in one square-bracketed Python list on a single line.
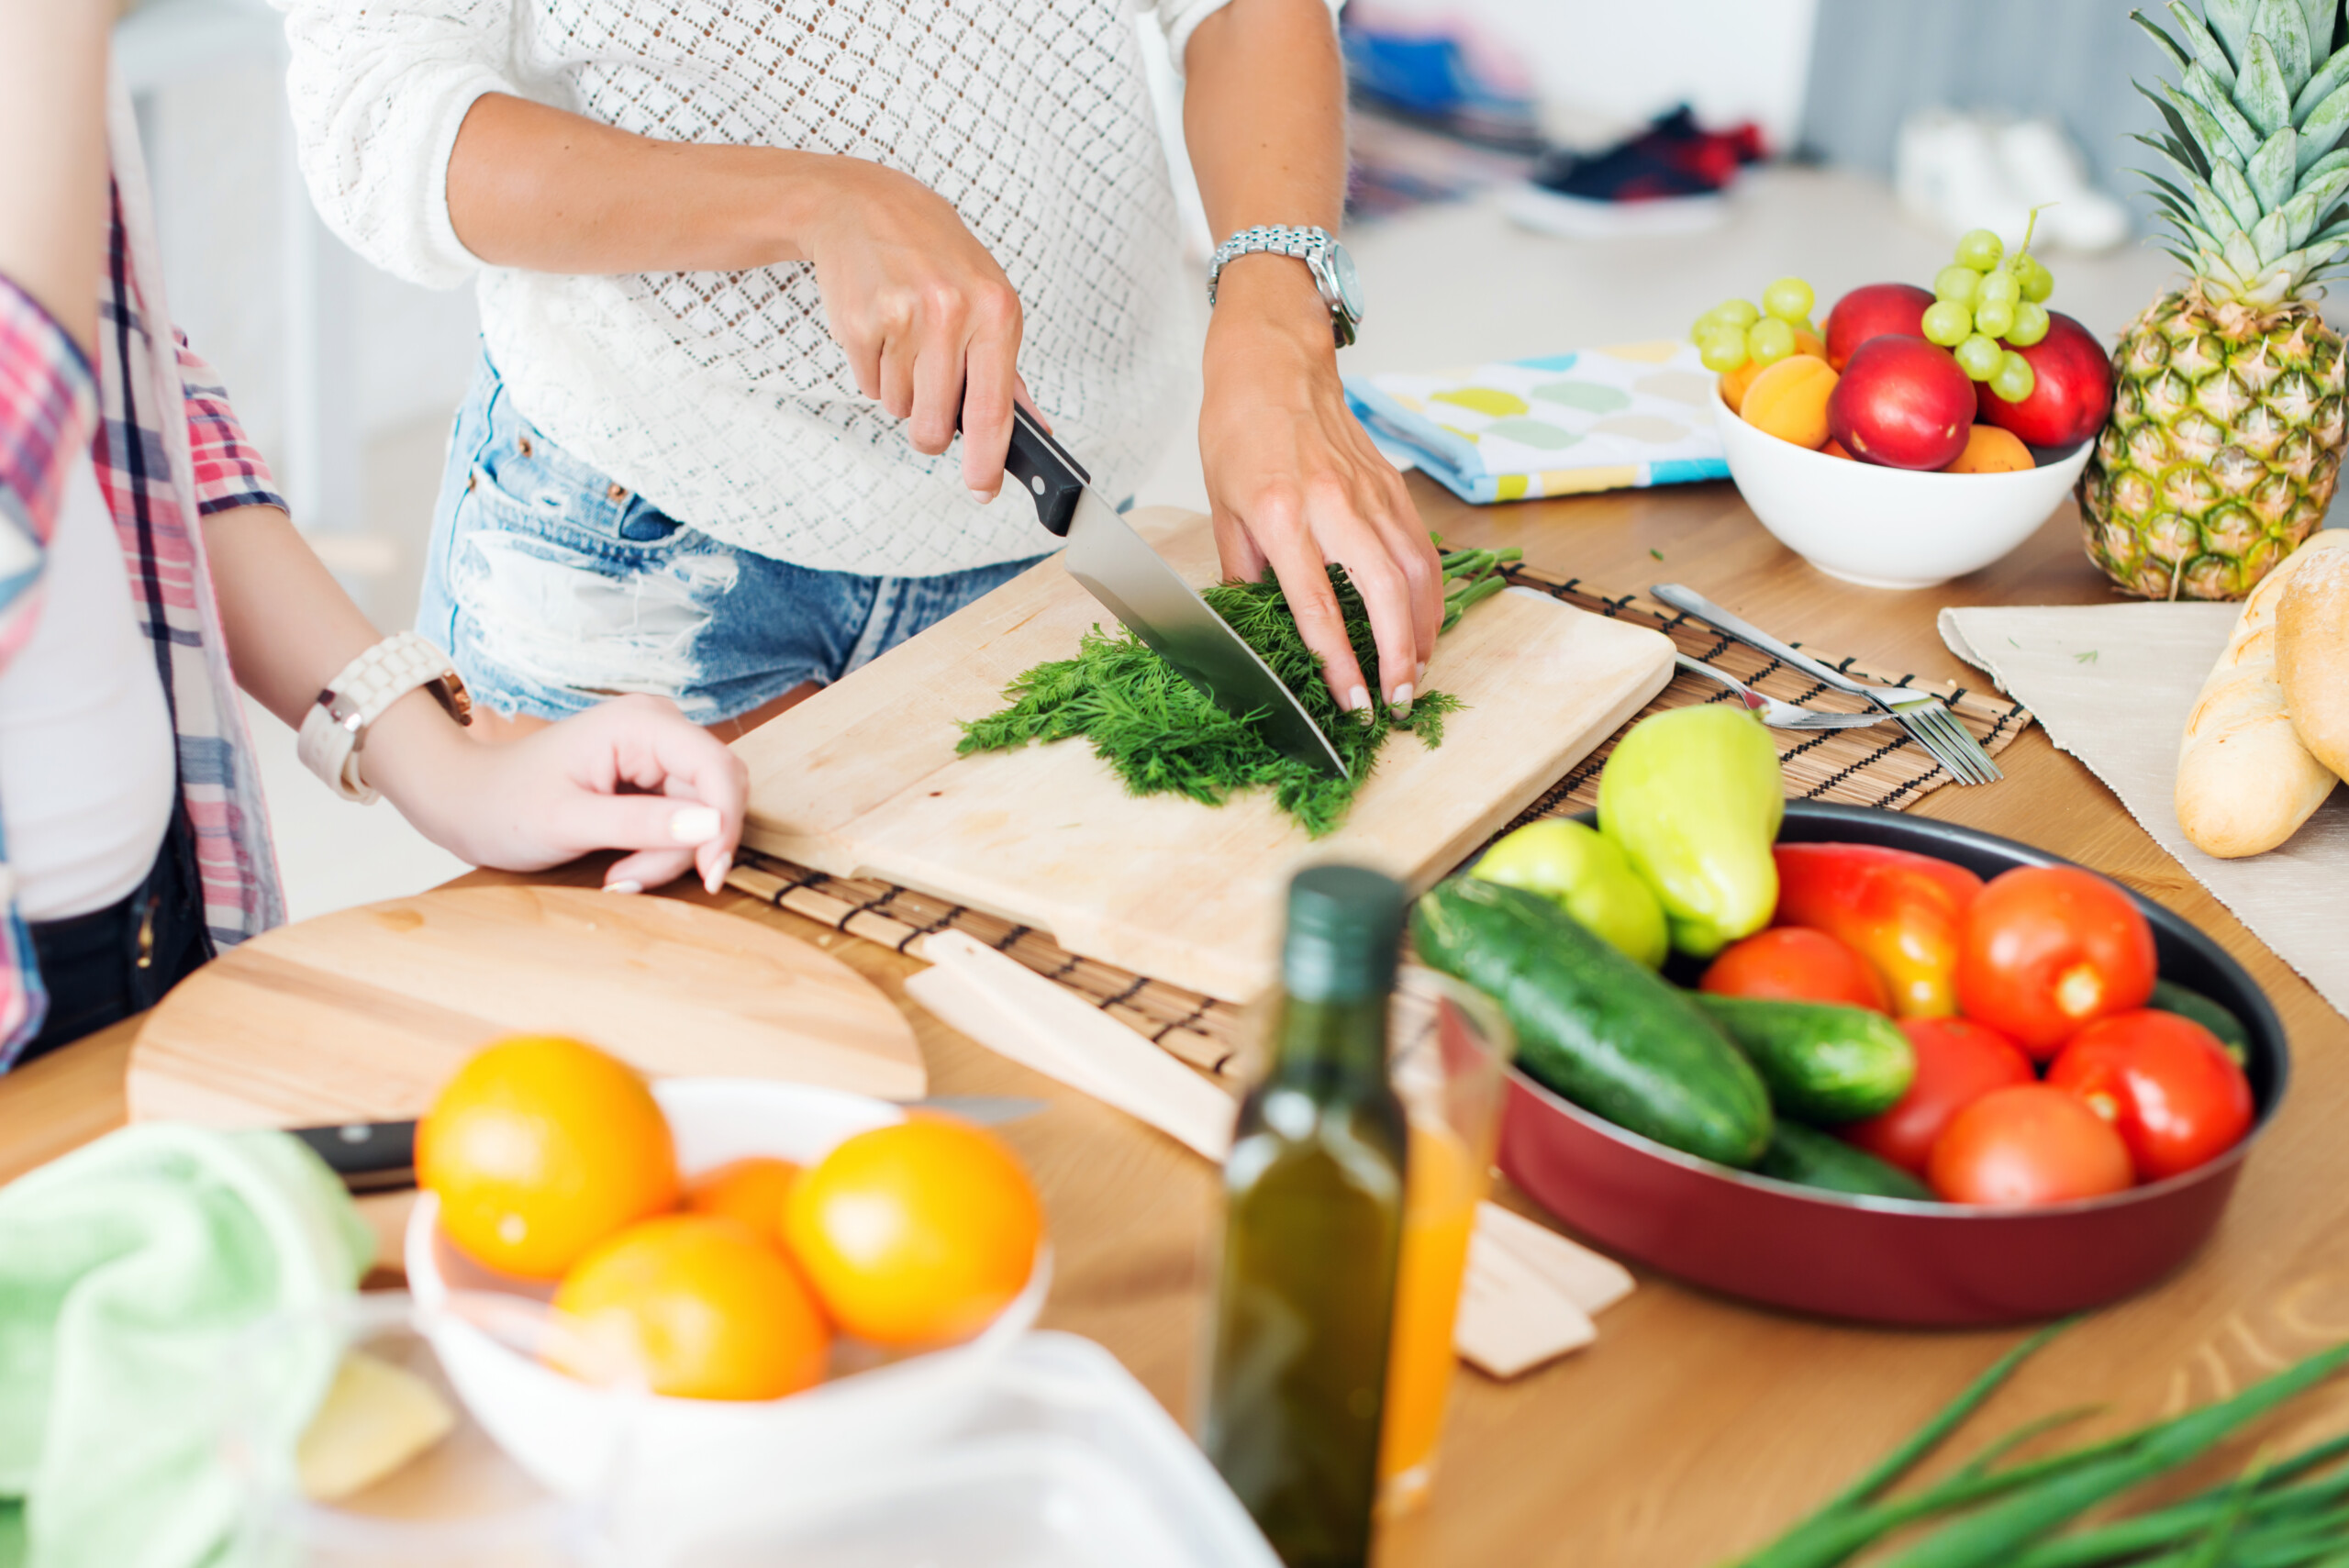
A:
[(2164, 1083), (1795, 963), (2028, 1145), (1958, 1061), (2047, 948)]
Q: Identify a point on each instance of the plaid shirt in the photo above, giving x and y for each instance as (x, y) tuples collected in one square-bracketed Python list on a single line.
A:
[(167, 449)]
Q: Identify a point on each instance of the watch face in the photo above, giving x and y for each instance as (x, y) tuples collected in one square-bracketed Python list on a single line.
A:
[(1349, 285)]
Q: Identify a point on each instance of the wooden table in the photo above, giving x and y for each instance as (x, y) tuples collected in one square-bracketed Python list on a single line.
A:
[(1695, 1426)]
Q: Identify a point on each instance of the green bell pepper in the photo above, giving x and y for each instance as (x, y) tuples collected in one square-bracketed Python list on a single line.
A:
[(1583, 872), (1693, 797)]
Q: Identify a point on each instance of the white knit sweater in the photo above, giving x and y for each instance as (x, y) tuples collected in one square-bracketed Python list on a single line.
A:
[(719, 396)]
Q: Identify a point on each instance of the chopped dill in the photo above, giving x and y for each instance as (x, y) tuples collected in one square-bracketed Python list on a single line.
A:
[(1165, 738)]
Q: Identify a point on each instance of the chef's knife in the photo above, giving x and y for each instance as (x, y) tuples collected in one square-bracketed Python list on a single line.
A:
[(1116, 567), (379, 1156)]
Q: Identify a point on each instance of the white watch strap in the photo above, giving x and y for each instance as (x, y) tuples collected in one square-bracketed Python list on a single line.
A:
[(336, 727)]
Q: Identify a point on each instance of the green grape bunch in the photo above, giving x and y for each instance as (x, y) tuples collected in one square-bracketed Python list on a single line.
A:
[(1985, 295), (1735, 330)]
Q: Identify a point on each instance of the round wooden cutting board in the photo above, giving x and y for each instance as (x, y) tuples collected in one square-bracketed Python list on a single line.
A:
[(360, 1016)]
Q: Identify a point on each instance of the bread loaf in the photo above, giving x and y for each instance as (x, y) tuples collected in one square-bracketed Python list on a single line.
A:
[(2313, 655), (2245, 781)]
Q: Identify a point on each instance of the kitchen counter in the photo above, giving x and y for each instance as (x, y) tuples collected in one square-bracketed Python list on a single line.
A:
[(1695, 1426)]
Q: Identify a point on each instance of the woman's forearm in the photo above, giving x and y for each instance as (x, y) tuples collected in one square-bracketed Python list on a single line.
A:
[(542, 188), (1265, 115)]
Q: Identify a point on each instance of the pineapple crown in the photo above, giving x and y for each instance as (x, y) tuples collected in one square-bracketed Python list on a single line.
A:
[(2253, 120)]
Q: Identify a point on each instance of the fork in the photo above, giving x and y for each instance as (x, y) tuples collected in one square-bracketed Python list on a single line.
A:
[(1770, 710), (1920, 714)]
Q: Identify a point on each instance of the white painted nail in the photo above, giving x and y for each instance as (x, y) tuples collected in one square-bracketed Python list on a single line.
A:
[(624, 885), (1401, 702), (696, 825), (1423, 670), (717, 873), (983, 498), (1357, 700)]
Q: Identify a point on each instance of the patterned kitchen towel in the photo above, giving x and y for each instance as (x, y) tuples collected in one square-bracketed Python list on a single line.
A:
[(1634, 414)]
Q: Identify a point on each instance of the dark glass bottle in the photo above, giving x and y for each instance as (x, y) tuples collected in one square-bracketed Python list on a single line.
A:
[(1313, 1222)]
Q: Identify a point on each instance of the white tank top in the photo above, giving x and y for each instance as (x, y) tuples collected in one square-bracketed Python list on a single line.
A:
[(86, 768)]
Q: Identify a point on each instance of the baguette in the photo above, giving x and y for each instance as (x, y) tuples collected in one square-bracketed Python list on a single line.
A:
[(2312, 656), (2245, 781)]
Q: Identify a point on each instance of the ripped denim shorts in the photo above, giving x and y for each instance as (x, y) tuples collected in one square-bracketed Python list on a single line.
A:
[(552, 588)]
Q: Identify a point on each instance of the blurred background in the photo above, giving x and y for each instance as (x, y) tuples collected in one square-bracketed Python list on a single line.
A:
[(1525, 183)]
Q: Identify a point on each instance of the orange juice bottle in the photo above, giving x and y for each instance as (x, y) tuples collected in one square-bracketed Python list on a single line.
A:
[(1445, 1182)]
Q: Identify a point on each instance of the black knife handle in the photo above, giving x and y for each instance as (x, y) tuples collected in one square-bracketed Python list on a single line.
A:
[(1053, 479), (369, 1156)]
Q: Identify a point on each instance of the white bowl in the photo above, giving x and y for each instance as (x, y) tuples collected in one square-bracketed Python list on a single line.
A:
[(695, 1453), (1889, 528)]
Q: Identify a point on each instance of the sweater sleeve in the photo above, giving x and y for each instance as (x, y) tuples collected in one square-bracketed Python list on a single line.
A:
[(1180, 19), (378, 89), (49, 411)]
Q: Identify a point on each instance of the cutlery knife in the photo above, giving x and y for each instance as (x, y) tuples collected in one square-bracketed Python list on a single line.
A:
[(379, 1156), (1117, 567)]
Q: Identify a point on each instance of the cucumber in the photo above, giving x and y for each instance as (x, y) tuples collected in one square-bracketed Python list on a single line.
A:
[(1822, 1062), (2171, 997), (1810, 1157), (1595, 1025)]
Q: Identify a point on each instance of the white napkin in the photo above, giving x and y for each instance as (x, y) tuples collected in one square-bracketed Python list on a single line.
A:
[(2112, 685)]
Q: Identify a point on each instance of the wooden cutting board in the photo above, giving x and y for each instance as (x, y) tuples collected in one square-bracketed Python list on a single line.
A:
[(861, 779), (362, 1015)]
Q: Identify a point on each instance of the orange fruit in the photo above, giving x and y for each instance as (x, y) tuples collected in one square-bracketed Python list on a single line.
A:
[(1790, 400), (916, 1233), (540, 1148), (1835, 448), (711, 1311), (1735, 382), (1989, 449), (751, 1190)]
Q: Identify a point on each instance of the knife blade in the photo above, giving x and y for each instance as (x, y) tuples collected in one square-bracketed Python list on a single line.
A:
[(1118, 568), (379, 1156)]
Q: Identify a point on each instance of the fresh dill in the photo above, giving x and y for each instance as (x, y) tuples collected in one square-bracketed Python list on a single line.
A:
[(1163, 737)]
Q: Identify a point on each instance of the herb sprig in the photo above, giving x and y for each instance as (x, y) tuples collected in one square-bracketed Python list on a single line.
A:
[(1163, 737)]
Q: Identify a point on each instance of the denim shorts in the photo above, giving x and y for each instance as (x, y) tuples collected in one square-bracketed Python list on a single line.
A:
[(552, 587)]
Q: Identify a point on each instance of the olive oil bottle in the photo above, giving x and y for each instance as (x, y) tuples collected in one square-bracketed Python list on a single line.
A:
[(1313, 1221)]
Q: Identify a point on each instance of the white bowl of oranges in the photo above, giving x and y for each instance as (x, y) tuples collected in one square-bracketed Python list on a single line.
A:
[(1885, 456), (803, 1276)]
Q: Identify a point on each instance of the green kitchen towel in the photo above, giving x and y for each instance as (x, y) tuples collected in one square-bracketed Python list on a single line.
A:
[(132, 1270)]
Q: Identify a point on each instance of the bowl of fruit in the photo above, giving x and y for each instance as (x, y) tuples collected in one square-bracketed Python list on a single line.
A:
[(1923, 433), (803, 1277), (1849, 1062)]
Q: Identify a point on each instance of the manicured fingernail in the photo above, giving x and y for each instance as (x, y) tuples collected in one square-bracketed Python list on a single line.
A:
[(982, 497), (1423, 670), (1357, 700), (696, 825), (717, 873), (1401, 700), (624, 885)]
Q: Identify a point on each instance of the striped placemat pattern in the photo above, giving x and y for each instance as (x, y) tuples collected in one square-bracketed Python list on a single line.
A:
[(1880, 766)]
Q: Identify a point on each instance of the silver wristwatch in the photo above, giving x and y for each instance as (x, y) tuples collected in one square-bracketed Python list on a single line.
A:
[(1333, 269)]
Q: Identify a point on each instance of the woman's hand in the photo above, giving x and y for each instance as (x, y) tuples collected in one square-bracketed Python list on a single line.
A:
[(1295, 482), (631, 773), (930, 323)]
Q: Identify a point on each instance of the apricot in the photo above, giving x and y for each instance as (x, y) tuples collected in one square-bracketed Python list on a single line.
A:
[(1734, 383), (1835, 448), (1989, 449), (1788, 400)]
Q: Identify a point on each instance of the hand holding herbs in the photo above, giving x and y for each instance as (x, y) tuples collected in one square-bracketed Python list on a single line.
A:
[(1164, 737)]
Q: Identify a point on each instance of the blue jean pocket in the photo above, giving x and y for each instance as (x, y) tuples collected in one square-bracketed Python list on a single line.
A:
[(524, 483)]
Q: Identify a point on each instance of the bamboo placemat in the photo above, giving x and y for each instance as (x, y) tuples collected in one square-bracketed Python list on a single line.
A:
[(1880, 766)]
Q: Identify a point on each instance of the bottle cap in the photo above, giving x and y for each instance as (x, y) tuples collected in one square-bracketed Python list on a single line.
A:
[(1344, 925)]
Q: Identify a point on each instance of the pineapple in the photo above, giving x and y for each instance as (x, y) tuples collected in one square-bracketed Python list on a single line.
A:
[(2225, 436)]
